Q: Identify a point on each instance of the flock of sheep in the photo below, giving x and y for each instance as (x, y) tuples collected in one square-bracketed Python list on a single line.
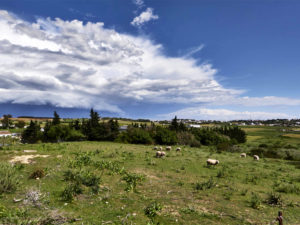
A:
[(161, 153)]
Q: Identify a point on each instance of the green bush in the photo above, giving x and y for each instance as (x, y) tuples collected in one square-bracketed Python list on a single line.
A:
[(164, 136), (132, 180), (8, 178), (70, 191), (152, 209), (135, 136)]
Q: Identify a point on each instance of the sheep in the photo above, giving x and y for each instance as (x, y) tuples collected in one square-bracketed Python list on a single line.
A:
[(160, 148), (178, 149), (155, 148), (256, 157), (168, 148), (243, 155), (160, 154), (212, 162)]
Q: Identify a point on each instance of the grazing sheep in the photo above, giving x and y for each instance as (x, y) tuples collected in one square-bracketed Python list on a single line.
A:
[(160, 148), (243, 155), (256, 157), (155, 148), (160, 154), (178, 149), (212, 162), (168, 148)]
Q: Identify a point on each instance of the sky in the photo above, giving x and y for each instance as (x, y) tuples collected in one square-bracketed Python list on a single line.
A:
[(197, 59)]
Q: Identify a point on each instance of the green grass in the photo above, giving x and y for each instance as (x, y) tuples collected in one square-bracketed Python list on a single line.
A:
[(112, 183)]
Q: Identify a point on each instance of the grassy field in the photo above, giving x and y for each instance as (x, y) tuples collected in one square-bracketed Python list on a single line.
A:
[(180, 188)]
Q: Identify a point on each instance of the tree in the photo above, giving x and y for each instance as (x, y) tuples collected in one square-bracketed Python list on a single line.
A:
[(32, 133), (56, 119), (21, 124), (6, 122), (174, 124)]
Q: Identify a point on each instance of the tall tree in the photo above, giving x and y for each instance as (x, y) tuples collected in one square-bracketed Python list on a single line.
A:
[(6, 122), (56, 119), (174, 124)]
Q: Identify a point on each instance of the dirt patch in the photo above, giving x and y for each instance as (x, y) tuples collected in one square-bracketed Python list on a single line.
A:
[(26, 159)]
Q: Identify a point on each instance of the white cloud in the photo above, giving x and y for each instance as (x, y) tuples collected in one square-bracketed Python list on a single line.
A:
[(222, 114), (139, 3), (144, 17), (71, 64)]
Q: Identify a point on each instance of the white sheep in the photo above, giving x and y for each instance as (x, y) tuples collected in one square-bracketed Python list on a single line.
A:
[(168, 148), (155, 148), (243, 155), (160, 154), (212, 162), (160, 148), (256, 157), (178, 149)]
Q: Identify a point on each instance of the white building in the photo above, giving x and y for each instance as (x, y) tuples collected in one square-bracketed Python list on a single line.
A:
[(194, 125), (5, 133)]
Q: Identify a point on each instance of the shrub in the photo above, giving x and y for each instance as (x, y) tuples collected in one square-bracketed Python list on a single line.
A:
[(8, 178), (37, 173), (132, 180), (255, 201), (274, 199), (70, 191), (164, 136), (135, 136), (205, 185), (152, 210), (84, 177)]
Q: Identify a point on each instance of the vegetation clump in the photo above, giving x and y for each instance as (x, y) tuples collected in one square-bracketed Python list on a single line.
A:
[(37, 174), (132, 180), (151, 211), (9, 179)]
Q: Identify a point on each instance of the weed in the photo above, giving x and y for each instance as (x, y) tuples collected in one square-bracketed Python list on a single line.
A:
[(132, 180), (8, 178), (255, 201), (152, 210), (274, 199), (70, 191), (205, 185)]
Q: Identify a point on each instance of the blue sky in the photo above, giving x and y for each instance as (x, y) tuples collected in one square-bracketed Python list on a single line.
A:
[(229, 59)]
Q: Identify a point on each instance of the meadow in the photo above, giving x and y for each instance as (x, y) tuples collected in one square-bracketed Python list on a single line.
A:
[(114, 183)]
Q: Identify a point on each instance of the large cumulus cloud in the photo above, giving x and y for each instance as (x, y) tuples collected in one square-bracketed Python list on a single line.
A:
[(72, 64)]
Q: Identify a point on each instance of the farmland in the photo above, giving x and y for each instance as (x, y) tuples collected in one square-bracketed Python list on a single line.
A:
[(125, 184)]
